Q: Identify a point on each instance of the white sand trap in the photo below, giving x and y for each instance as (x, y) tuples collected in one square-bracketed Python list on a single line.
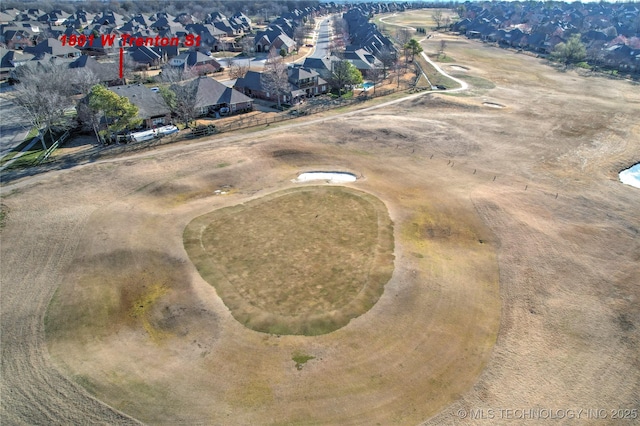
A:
[(331, 177), (631, 176), (459, 68), (492, 105)]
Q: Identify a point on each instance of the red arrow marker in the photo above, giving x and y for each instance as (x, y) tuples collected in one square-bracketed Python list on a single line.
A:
[(121, 62)]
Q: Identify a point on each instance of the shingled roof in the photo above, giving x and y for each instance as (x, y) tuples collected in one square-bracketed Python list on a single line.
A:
[(210, 92), (150, 104), (52, 47)]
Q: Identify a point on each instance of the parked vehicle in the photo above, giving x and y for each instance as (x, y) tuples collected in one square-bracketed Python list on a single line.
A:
[(147, 135)]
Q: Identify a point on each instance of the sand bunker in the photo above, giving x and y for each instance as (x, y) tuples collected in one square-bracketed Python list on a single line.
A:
[(331, 177), (631, 176), (493, 105)]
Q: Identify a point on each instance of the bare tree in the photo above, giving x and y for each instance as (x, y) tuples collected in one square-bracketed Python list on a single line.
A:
[(596, 54), (403, 35), (175, 74), (237, 69), (375, 75), (44, 95), (388, 58), (88, 119), (275, 78), (437, 18), (299, 34), (446, 21), (340, 37), (84, 80), (182, 95), (248, 48), (443, 45)]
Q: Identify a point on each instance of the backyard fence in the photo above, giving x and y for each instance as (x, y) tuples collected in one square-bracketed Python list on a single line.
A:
[(209, 130), (43, 157), (305, 110)]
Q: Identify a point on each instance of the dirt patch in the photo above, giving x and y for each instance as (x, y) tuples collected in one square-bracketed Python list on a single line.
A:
[(118, 290)]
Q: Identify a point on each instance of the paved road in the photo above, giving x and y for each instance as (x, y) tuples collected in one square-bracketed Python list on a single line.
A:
[(13, 128), (323, 40)]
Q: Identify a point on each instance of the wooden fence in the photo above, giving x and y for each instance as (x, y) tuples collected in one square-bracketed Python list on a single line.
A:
[(43, 157)]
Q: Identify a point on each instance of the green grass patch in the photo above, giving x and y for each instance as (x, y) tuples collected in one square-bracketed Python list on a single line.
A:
[(345, 95), (222, 165), (15, 151), (434, 76), (4, 211), (32, 134), (28, 159), (444, 59), (301, 261), (300, 359), (477, 82)]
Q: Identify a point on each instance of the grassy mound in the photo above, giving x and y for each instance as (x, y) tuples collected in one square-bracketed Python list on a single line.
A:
[(302, 261)]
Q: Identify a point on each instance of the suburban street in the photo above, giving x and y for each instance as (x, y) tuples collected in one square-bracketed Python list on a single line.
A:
[(323, 40), (12, 128)]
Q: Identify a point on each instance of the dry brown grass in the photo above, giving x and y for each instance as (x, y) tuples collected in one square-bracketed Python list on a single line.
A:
[(514, 283), (302, 261)]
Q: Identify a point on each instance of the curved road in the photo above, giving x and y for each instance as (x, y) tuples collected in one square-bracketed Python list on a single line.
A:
[(33, 391)]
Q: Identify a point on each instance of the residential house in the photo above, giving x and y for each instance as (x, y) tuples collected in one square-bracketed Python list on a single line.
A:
[(144, 57), (10, 60), (53, 47), (17, 38), (323, 66), (107, 73), (5, 18), (283, 42), (308, 81), (198, 62), (152, 108), (303, 83), (251, 85), (278, 34), (361, 59), (212, 96)]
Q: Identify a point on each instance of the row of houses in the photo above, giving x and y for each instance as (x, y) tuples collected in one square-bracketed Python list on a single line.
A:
[(210, 96), (306, 80), (366, 43), (34, 31), (610, 31)]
